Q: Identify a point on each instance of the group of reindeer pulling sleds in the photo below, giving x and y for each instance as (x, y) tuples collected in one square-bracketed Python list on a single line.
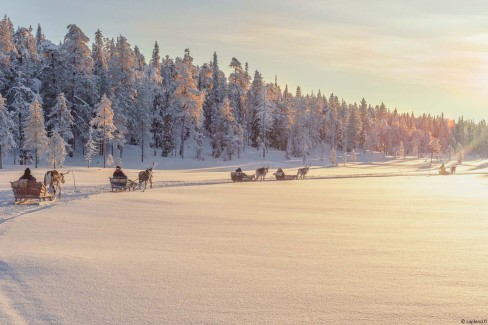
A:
[(260, 174), (27, 188)]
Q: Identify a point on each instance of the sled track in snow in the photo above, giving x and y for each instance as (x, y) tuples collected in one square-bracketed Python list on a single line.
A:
[(9, 211)]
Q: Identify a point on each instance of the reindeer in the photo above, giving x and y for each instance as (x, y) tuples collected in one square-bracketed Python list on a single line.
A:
[(261, 173), (145, 176), (302, 172), (53, 180)]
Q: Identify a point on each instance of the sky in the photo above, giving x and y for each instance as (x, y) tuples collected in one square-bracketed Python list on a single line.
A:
[(414, 55)]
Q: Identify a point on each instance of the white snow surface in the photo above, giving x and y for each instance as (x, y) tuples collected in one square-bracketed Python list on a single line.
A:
[(377, 242)]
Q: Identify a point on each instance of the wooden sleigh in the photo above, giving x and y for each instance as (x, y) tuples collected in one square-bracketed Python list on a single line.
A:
[(123, 184), (284, 177), (280, 176), (240, 177), (25, 190)]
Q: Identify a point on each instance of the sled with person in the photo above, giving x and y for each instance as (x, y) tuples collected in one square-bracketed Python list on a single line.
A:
[(443, 171), (119, 184), (25, 190), (239, 176), (281, 176)]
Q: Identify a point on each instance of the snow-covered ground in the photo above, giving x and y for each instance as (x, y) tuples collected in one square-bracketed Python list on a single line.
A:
[(376, 242)]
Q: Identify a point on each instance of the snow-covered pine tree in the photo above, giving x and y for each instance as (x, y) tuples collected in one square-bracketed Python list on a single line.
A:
[(299, 139), (365, 123), (353, 128), (435, 147), (56, 150), (460, 153), (91, 146), (51, 73), (379, 136), (261, 108), (155, 65), (255, 99), (121, 132), (103, 122), (122, 68), (333, 156), (24, 85), (188, 100), (329, 124), (281, 121), (79, 84), (154, 71), (226, 131), (109, 161), (20, 96), (60, 120), (450, 152), (6, 131), (416, 140), (445, 133), (218, 96), (34, 131), (8, 53), (239, 82), (205, 85), (143, 111), (100, 63), (140, 60), (40, 37), (168, 110), (335, 122), (415, 150), (354, 156), (27, 60), (341, 136), (279, 114), (401, 150)]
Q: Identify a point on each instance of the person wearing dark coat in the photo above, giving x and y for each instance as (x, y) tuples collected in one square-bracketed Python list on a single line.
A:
[(27, 175), (118, 173), (280, 174), (239, 173)]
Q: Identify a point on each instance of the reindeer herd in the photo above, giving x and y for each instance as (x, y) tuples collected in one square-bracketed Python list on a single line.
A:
[(53, 180), (260, 174)]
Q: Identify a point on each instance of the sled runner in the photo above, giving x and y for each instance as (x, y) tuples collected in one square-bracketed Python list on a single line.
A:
[(26, 190)]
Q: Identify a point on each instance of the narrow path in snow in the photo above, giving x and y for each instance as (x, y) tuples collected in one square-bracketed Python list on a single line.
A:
[(9, 211)]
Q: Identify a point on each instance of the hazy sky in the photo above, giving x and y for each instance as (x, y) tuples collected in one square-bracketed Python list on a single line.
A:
[(415, 55)]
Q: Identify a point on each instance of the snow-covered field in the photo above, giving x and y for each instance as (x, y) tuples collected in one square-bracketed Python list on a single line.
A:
[(377, 242)]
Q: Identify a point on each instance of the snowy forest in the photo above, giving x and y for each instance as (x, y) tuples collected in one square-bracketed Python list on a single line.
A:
[(57, 100)]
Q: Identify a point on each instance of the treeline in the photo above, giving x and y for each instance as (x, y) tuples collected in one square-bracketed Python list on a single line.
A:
[(56, 100)]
